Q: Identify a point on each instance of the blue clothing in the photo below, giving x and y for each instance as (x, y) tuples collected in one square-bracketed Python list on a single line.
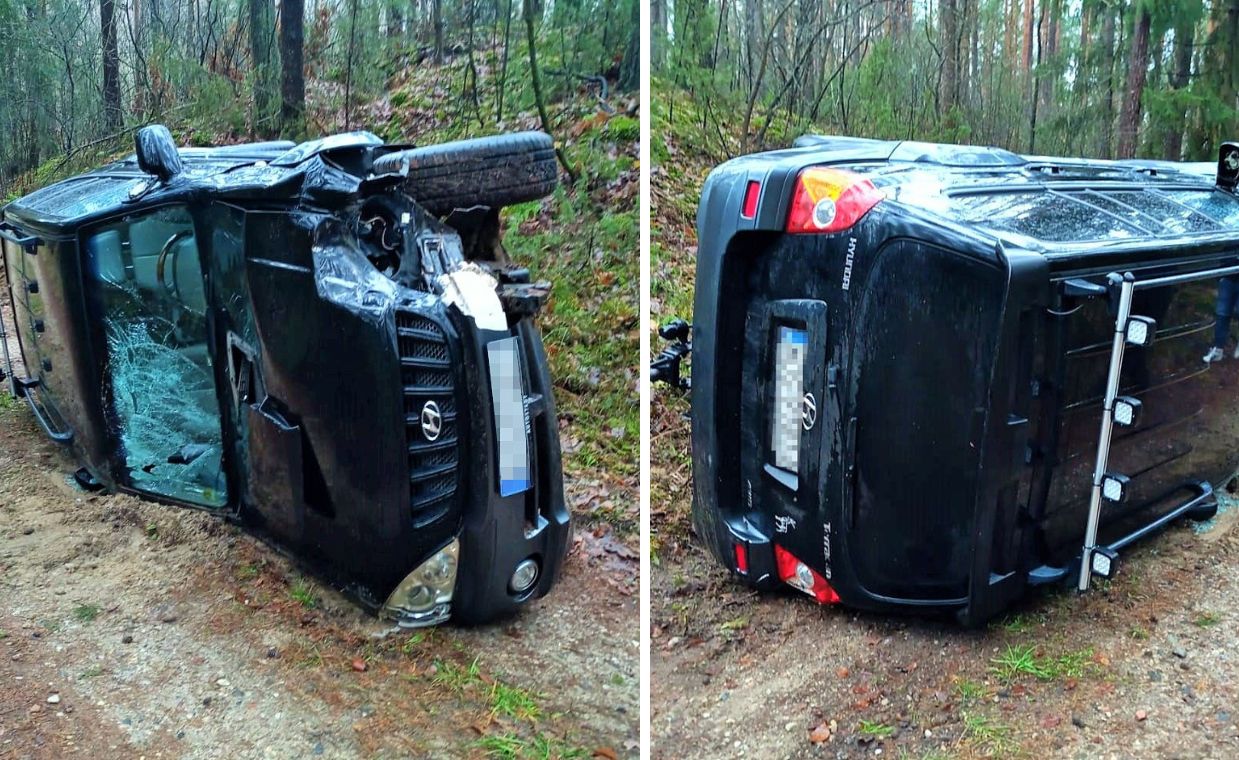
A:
[(1227, 301)]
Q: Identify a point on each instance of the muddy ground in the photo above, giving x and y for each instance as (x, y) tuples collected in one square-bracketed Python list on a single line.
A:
[(130, 629), (1145, 665)]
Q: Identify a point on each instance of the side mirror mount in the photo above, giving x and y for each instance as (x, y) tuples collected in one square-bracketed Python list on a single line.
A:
[(1228, 166), (157, 153)]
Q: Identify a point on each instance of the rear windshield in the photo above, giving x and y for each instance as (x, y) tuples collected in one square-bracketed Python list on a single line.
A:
[(1055, 216)]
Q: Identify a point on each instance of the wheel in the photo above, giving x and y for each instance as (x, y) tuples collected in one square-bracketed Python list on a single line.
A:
[(493, 171)]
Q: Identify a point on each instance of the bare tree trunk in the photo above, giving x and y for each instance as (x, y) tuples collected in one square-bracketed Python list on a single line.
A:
[(1029, 6), (536, 79), (292, 53), (1184, 38), (437, 19), (1129, 117), (948, 26), (261, 31), (111, 66), (503, 67), (1106, 68), (395, 23), (630, 67)]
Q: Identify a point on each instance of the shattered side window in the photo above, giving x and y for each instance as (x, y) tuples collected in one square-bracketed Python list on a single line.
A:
[(148, 282), (1041, 215)]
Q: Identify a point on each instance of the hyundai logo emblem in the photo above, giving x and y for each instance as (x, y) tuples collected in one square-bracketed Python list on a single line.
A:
[(432, 421), (808, 411)]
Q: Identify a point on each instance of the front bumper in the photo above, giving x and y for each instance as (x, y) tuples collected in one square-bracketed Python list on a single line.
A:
[(502, 525)]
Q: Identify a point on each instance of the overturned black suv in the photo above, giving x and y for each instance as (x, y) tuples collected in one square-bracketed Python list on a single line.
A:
[(932, 376), (324, 341)]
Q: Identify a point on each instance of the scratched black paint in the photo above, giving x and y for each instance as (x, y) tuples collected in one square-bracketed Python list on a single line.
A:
[(312, 388), (951, 463)]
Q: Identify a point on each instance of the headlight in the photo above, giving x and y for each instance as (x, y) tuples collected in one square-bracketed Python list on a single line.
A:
[(425, 596)]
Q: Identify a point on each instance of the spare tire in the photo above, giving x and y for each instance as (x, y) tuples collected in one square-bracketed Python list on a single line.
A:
[(488, 171)]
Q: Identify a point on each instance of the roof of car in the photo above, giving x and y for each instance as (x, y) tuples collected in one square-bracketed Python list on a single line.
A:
[(279, 169), (1042, 203)]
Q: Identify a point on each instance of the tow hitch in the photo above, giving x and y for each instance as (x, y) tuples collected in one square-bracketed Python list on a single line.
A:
[(667, 366)]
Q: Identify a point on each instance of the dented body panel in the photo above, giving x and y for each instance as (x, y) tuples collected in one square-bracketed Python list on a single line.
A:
[(955, 370), (274, 333)]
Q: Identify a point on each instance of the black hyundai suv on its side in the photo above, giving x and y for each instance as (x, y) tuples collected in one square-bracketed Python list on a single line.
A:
[(932, 376), (324, 341)]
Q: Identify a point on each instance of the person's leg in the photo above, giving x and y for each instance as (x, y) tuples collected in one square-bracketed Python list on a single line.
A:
[(1226, 297)]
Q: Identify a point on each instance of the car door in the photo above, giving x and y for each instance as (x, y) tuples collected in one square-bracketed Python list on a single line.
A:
[(148, 290)]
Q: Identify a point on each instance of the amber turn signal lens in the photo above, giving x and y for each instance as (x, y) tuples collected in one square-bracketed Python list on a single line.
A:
[(830, 200)]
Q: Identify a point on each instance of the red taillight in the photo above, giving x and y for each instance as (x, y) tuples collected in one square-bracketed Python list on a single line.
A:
[(830, 200), (798, 575), (751, 196), (742, 559)]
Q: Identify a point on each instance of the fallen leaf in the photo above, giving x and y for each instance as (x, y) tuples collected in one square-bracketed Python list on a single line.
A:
[(820, 734), (842, 672), (359, 665), (606, 752), (1051, 721)]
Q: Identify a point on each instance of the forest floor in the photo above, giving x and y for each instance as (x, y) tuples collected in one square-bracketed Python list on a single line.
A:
[(1145, 665), (131, 629)]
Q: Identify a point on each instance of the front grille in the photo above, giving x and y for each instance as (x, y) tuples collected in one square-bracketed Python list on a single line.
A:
[(426, 375)]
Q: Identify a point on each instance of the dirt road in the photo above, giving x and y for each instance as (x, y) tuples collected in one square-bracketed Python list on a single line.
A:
[(130, 629), (1145, 666)]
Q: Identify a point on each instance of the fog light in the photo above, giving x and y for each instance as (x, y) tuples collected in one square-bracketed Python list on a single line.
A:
[(1104, 562), (523, 578), (1140, 331), (425, 596), (1114, 487), (1126, 411)]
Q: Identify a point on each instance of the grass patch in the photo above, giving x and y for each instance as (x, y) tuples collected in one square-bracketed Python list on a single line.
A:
[(738, 624), (513, 702), (504, 746), (988, 735), (875, 730), (1020, 661), (1206, 620), (411, 644), (313, 658), (8, 401), (86, 613), (457, 677), (969, 690), (1018, 623), (94, 671), (303, 594), (540, 747), (247, 572)]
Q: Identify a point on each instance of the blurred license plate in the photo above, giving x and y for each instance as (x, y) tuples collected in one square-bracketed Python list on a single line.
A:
[(789, 354), (511, 416)]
